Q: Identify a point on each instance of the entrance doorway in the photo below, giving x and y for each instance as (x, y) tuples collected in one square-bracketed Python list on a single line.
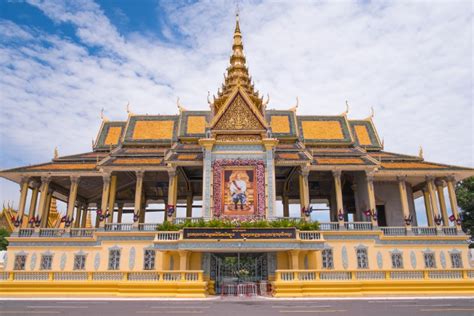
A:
[(229, 269)]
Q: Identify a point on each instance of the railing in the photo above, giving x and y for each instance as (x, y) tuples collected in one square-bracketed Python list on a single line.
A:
[(82, 232), (4, 276), (115, 276), (329, 226), (279, 218), (168, 236), (394, 231), (424, 231), (26, 232), (31, 276), (149, 227), (70, 276), (309, 235), (445, 274), (370, 275), (328, 275), (450, 231), (182, 220), (334, 275), (358, 225), (406, 275), (51, 232), (118, 227)]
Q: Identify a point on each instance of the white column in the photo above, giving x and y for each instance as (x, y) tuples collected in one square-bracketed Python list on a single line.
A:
[(71, 202), (404, 199), (138, 196), (339, 201), (21, 205), (451, 181)]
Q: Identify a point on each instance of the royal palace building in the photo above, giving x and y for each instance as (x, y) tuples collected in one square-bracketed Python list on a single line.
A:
[(222, 183)]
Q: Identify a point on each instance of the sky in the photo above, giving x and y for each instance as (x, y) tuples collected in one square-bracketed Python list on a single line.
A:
[(61, 62)]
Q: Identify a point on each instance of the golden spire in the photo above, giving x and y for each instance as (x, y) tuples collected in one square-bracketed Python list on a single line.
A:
[(237, 73)]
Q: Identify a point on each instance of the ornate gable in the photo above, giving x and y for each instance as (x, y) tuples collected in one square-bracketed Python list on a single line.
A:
[(239, 115)]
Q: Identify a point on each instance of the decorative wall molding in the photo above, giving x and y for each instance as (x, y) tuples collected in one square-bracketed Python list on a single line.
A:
[(413, 259), (131, 258), (345, 259)]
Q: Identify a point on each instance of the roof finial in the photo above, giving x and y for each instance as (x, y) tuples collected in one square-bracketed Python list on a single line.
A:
[(237, 12), (372, 112), (208, 96), (128, 107), (180, 107), (383, 143), (296, 105), (268, 100), (420, 152), (347, 108), (102, 116), (93, 143), (56, 153)]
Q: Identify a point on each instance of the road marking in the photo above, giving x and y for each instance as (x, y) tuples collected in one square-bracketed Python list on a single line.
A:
[(168, 312), (316, 311), (447, 310), (29, 312), (55, 306), (416, 305), (300, 306), (85, 301), (180, 307), (382, 302)]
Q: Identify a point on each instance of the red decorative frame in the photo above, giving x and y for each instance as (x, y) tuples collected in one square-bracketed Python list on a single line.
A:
[(218, 169)]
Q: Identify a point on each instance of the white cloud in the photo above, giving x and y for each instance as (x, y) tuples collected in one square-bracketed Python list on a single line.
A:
[(412, 61)]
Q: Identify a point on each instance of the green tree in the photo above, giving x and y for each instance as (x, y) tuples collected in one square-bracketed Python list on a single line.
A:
[(465, 196), (3, 240)]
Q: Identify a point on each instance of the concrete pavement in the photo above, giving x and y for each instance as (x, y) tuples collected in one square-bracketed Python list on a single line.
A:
[(242, 307)]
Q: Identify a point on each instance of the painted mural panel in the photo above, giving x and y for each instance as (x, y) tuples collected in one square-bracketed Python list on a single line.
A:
[(239, 188), (238, 191)]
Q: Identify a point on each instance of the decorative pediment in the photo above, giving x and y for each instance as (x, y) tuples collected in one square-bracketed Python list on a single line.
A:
[(239, 114)]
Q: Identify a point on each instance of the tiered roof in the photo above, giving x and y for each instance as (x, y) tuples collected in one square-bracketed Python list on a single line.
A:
[(155, 141)]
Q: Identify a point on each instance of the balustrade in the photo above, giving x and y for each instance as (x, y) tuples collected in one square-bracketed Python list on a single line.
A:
[(118, 227), (370, 275), (335, 275), (144, 276), (394, 231), (325, 275), (450, 231), (70, 276), (51, 232), (309, 235), (30, 276), (358, 225), (82, 232), (168, 236), (329, 226), (150, 276), (445, 274), (148, 226), (424, 231), (26, 232), (182, 220), (406, 275)]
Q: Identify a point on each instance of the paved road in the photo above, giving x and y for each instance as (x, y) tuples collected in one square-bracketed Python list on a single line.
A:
[(243, 307)]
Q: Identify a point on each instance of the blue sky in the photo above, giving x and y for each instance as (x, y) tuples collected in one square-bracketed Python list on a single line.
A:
[(61, 62)]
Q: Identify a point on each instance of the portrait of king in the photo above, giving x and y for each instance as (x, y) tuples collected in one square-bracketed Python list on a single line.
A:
[(238, 191)]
